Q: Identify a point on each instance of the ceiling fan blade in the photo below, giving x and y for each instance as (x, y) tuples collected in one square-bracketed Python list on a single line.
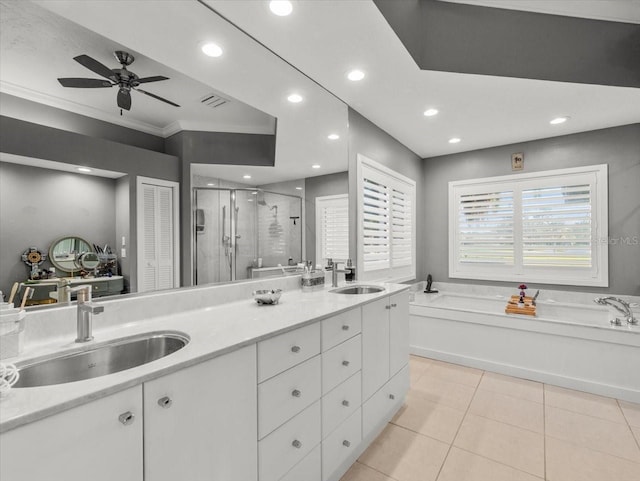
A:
[(158, 98), (124, 99), (84, 83), (95, 66), (156, 78)]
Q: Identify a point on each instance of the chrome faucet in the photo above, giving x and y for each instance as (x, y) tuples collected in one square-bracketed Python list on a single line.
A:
[(86, 310), (625, 309), (334, 274)]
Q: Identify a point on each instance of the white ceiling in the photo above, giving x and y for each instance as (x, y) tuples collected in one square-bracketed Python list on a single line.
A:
[(325, 39)]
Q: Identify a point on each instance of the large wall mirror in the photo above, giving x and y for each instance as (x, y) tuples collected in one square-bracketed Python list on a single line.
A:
[(236, 147)]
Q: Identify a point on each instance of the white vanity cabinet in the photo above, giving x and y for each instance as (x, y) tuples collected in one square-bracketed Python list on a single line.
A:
[(200, 422), (100, 441)]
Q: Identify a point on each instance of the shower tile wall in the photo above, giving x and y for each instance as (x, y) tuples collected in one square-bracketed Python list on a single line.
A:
[(278, 237), (212, 265)]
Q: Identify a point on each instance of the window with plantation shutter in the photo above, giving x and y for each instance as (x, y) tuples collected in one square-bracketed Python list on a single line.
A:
[(547, 227), (332, 228), (386, 223)]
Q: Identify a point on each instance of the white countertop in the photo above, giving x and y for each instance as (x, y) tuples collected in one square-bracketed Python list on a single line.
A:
[(214, 330)]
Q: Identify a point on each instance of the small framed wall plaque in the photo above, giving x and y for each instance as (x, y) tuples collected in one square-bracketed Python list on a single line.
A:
[(517, 161)]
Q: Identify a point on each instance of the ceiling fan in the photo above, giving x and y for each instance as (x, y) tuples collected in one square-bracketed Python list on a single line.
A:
[(124, 79)]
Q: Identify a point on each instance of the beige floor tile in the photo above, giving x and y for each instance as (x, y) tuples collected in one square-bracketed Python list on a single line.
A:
[(636, 433), (452, 394), (631, 411), (512, 386), (361, 472), (584, 403), (405, 455), (507, 409), (510, 445), (465, 466), (455, 373), (429, 418), (593, 433), (568, 462), (417, 367)]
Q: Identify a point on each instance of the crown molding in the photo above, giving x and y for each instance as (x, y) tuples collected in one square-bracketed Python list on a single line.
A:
[(76, 108)]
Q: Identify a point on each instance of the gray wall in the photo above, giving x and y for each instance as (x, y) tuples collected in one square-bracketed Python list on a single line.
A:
[(38, 206), (371, 141), (618, 147), (331, 184)]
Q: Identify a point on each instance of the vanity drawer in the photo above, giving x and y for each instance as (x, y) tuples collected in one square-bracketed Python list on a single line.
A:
[(380, 407), (339, 328), (340, 403), (341, 444), (286, 350), (285, 395), (341, 362), (286, 446), (309, 469)]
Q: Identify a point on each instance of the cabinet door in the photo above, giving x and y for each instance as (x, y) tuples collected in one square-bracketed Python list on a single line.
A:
[(398, 331), (375, 346), (86, 442), (201, 422)]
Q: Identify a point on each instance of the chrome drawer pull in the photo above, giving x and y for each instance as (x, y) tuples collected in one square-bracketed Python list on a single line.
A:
[(387, 307), (345, 363), (346, 443), (345, 328), (391, 396), (394, 305), (165, 402), (295, 349), (296, 393), (296, 444), (126, 418), (345, 403)]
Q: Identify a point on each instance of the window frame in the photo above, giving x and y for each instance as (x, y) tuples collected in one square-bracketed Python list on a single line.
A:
[(404, 272), (596, 276)]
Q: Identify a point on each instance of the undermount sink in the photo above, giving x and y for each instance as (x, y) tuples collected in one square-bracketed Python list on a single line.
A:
[(108, 358), (358, 290)]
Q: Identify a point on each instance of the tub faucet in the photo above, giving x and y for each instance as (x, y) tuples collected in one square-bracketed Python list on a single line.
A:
[(86, 310), (533, 301), (624, 310)]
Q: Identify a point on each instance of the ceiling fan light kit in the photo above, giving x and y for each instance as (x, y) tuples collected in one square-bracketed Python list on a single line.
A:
[(124, 79)]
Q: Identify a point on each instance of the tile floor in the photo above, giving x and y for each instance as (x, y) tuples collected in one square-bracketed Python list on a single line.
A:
[(464, 424)]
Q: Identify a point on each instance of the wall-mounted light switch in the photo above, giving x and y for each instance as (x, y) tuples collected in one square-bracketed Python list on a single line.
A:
[(123, 253), (124, 243)]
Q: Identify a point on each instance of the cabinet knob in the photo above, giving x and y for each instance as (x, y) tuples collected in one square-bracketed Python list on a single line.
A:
[(394, 305), (345, 403), (346, 443), (296, 393), (387, 307), (165, 402), (296, 444), (345, 328), (392, 396), (295, 349), (345, 363), (126, 418)]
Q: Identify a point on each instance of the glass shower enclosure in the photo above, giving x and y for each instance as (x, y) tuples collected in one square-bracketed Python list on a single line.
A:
[(244, 233)]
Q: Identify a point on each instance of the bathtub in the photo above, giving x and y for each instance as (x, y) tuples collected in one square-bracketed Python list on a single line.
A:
[(569, 344)]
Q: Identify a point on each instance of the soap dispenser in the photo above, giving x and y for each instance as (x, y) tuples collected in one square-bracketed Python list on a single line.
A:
[(349, 272)]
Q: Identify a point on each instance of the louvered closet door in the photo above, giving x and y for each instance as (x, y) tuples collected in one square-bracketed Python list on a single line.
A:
[(158, 266)]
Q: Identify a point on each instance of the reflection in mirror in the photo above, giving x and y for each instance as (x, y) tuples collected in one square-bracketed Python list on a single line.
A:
[(68, 254)]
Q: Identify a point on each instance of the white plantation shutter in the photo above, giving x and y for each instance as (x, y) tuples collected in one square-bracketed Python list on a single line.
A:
[(332, 228), (157, 234), (547, 227), (386, 212)]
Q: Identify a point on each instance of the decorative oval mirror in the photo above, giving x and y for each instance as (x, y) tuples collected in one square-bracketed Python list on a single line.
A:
[(64, 253)]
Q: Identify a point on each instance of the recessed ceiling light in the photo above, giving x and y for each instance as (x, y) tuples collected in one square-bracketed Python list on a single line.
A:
[(315, 166), (559, 120), (430, 112), (211, 185), (84, 169), (454, 140), (282, 8), (294, 98), (298, 188), (254, 193), (355, 75), (211, 49), (246, 176), (333, 136)]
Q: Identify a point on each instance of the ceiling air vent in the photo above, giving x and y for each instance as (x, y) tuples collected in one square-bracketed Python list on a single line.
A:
[(213, 100)]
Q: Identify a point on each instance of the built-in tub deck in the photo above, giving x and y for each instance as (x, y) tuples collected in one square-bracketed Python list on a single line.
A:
[(570, 344)]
